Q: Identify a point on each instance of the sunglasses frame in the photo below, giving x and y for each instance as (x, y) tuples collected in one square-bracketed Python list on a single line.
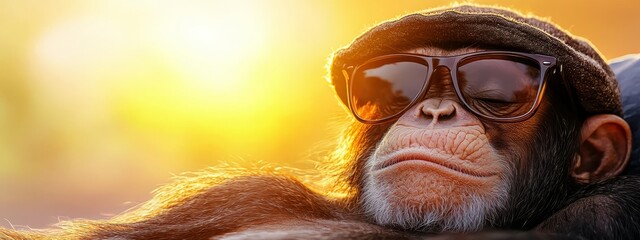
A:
[(546, 63)]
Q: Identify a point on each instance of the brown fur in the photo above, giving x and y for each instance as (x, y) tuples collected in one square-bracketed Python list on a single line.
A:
[(205, 205)]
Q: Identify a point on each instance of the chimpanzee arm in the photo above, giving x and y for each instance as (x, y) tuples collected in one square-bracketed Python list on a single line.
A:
[(606, 210)]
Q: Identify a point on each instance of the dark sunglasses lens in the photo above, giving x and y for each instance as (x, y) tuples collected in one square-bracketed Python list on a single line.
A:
[(499, 86), (383, 89)]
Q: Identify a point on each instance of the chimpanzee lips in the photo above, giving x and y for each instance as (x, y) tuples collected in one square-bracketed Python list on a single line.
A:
[(418, 156)]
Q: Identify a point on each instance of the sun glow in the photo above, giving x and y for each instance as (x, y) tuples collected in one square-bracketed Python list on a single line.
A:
[(212, 51), (194, 80)]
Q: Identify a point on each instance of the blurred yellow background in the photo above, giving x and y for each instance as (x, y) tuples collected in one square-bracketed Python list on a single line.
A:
[(102, 101)]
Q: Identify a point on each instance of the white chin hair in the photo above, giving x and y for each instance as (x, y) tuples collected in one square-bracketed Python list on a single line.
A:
[(471, 215)]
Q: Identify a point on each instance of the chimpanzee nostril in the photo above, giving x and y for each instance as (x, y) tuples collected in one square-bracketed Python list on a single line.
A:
[(436, 109)]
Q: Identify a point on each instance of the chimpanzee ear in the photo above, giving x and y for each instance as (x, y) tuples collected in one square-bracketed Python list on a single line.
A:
[(605, 147)]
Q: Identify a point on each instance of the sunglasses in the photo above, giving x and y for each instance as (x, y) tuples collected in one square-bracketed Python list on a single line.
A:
[(496, 85)]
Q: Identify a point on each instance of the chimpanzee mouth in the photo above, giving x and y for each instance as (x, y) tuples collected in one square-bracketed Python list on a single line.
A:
[(416, 156)]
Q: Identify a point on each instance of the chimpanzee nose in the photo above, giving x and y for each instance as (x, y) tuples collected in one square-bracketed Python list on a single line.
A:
[(436, 109)]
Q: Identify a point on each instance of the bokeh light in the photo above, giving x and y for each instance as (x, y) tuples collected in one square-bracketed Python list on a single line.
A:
[(102, 101)]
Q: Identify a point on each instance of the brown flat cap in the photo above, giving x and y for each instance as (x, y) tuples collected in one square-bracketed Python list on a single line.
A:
[(584, 69)]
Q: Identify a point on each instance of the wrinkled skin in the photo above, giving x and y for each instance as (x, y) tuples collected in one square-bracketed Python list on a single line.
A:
[(441, 168)]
